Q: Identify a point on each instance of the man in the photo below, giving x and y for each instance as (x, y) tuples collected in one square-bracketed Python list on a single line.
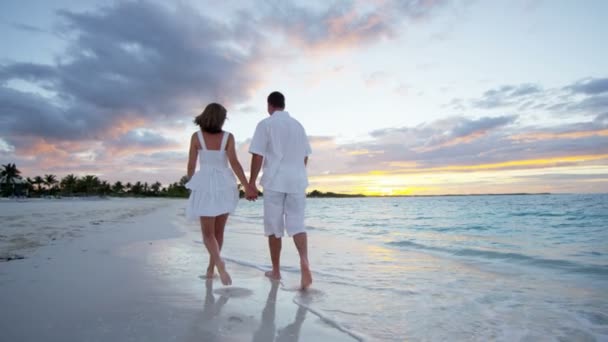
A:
[(280, 142)]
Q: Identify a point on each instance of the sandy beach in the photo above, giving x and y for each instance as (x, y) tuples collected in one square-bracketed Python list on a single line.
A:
[(503, 268), (130, 270)]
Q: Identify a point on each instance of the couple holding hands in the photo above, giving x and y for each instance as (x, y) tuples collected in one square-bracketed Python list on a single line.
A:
[(279, 144)]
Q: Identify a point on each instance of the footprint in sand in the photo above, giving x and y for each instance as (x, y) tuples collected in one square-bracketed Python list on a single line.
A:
[(310, 292)]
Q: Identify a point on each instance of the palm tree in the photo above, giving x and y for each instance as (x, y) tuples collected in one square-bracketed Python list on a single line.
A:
[(128, 187), (104, 188), (156, 188), (183, 181), (30, 184), (90, 183), (50, 181), (137, 188), (118, 188), (10, 175), (39, 181), (68, 183), (10, 170)]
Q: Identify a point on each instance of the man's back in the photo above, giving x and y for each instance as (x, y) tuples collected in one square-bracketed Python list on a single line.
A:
[(283, 143)]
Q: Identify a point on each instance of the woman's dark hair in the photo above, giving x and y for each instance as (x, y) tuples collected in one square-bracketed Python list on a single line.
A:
[(276, 99), (211, 120)]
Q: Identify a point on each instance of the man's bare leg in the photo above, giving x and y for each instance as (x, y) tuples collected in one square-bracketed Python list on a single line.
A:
[(301, 242), (220, 224), (274, 244), (208, 225)]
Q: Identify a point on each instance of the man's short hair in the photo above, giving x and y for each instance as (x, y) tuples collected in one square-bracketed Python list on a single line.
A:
[(276, 99)]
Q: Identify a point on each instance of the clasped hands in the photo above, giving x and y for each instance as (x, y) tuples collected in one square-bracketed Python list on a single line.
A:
[(251, 192)]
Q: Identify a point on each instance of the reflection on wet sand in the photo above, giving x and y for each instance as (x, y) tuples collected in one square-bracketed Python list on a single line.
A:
[(292, 331), (210, 328), (267, 330), (211, 309)]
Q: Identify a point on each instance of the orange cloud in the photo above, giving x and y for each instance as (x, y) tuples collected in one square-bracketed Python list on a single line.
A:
[(509, 176), (554, 161), (125, 125), (528, 137), (363, 152), (452, 142)]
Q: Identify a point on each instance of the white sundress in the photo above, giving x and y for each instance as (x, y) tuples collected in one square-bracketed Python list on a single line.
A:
[(213, 187)]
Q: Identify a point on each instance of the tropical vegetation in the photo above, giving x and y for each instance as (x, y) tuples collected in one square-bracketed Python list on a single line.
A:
[(87, 185), (12, 184)]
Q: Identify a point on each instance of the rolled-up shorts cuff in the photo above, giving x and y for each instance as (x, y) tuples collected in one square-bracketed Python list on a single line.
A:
[(284, 212)]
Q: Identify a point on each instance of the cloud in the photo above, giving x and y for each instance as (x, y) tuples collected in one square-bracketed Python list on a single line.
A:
[(133, 64), (376, 78), (506, 95), (460, 144), (601, 119), (464, 131), (441, 133), (132, 60), (30, 114), (28, 72), (28, 28), (591, 104), (344, 24), (138, 141), (587, 97), (590, 86), (467, 127)]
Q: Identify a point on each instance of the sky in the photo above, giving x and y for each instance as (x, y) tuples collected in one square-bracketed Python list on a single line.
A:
[(410, 97)]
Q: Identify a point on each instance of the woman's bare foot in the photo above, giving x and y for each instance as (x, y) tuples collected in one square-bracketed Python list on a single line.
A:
[(306, 279), (210, 272), (273, 275), (224, 276)]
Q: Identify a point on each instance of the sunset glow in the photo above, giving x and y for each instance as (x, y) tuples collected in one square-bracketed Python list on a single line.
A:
[(397, 97)]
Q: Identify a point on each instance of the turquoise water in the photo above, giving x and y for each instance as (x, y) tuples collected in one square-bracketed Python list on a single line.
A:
[(450, 268)]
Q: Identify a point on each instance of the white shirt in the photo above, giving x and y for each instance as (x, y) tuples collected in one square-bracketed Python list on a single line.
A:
[(283, 143)]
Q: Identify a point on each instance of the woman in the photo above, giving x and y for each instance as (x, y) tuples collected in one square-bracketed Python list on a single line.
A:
[(214, 194)]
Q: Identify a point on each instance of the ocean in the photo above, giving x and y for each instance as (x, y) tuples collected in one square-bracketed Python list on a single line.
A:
[(505, 267)]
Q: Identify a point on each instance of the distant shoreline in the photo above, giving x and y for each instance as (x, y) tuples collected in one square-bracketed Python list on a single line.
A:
[(339, 195), (336, 195), (489, 194)]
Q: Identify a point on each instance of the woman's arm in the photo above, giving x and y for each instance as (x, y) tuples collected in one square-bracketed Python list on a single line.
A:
[(192, 156), (234, 162)]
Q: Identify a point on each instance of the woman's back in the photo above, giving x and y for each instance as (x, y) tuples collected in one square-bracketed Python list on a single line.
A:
[(214, 155)]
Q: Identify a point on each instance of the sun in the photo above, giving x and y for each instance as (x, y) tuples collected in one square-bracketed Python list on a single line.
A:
[(382, 191)]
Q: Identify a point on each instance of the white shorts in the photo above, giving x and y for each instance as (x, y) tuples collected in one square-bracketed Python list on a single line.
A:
[(283, 211)]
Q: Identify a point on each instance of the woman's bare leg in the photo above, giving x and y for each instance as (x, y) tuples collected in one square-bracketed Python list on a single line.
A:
[(220, 224), (208, 225)]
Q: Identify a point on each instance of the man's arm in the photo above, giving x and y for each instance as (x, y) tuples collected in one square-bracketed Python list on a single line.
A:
[(257, 148), (306, 161), (256, 165)]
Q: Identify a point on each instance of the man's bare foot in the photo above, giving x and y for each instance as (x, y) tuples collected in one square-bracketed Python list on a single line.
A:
[(306, 276), (224, 276), (273, 275)]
